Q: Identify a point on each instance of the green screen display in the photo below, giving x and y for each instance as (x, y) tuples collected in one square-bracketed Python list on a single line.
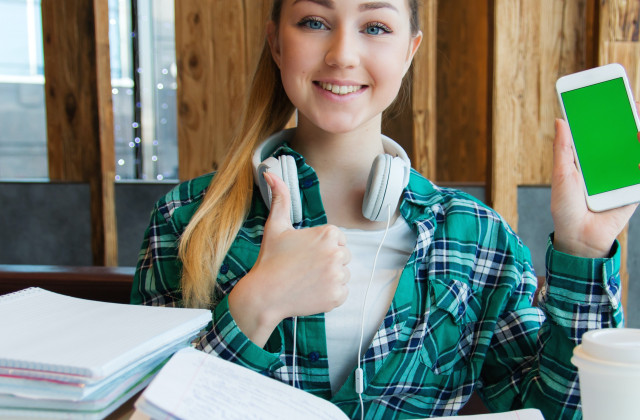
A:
[(605, 135)]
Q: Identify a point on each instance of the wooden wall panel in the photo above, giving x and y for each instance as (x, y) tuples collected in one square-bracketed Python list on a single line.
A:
[(463, 86), (619, 43), (80, 111), (423, 98), (216, 44), (535, 42)]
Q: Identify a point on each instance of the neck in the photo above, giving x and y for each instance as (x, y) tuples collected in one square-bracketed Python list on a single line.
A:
[(342, 162), (352, 151)]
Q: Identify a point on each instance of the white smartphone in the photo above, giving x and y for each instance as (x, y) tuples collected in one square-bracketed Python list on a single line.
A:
[(602, 116)]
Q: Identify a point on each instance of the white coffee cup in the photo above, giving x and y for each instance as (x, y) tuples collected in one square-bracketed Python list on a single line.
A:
[(608, 362)]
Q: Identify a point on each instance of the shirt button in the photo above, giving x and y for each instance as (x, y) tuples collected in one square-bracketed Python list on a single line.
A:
[(460, 310), (224, 269), (307, 183), (314, 356)]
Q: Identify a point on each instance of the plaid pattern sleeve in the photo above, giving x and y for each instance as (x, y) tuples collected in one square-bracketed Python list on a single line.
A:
[(462, 318), (157, 277), (528, 364)]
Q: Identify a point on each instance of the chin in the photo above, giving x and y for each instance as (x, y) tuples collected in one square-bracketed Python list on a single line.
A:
[(339, 125)]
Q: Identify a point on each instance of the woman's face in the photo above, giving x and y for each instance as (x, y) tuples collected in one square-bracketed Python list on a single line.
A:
[(342, 61)]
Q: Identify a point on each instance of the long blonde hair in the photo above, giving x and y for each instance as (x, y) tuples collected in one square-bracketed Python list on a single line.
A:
[(210, 233)]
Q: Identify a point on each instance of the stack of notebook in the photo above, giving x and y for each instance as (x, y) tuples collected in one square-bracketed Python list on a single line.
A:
[(63, 357)]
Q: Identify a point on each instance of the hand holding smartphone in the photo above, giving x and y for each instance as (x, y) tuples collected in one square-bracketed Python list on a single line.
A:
[(599, 108)]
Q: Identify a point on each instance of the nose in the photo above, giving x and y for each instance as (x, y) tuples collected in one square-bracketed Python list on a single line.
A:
[(343, 50)]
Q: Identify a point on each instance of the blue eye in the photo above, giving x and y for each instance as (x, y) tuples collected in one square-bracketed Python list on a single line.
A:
[(312, 23), (373, 30), (377, 28)]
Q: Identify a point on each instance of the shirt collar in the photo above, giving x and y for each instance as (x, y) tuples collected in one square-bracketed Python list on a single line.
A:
[(418, 197)]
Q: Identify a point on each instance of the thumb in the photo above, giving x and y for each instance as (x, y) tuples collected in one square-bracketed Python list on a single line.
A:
[(564, 161), (280, 214)]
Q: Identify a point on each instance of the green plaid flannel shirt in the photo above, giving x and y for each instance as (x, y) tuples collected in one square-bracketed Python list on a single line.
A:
[(462, 318)]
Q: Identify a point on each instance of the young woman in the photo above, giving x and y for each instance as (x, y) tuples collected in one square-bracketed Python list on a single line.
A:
[(393, 298)]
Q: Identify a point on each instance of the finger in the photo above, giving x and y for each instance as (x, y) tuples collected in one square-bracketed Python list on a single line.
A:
[(346, 276), (346, 256), (280, 214), (342, 238)]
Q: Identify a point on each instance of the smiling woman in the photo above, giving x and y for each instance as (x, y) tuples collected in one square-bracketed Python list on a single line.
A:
[(400, 312), (342, 44)]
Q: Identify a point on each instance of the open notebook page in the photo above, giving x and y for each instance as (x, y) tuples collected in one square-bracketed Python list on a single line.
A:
[(194, 385)]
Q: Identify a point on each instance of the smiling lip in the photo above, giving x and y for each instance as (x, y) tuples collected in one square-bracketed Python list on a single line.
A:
[(340, 89)]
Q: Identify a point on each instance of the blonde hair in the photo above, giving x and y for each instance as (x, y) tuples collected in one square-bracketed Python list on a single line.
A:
[(212, 229)]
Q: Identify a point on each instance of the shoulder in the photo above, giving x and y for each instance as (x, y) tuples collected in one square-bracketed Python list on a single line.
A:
[(456, 213), (181, 202), (424, 193)]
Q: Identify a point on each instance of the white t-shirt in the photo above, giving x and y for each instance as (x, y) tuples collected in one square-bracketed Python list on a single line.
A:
[(343, 323)]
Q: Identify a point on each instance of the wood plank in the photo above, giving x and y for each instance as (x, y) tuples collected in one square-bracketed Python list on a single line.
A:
[(507, 88), (256, 17), (217, 47), (619, 20), (80, 110), (194, 57), (423, 96), (108, 284), (534, 44), (463, 87)]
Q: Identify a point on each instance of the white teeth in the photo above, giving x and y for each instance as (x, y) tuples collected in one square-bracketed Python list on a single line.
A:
[(340, 90)]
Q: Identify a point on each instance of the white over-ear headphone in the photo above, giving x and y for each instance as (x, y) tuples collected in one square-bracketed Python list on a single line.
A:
[(388, 177)]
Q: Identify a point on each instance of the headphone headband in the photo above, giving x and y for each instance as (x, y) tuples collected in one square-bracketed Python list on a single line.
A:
[(394, 149)]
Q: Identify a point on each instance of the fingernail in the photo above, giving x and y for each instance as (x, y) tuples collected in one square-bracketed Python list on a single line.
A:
[(268, 178)]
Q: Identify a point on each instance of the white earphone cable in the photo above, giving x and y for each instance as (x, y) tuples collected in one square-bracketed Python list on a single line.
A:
[(359, 374), (293, 363)]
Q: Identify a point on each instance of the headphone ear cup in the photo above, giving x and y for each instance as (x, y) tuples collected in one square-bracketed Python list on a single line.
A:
[(289, 171), (376, 186), (270, 165), (286, 169), (384, 187)]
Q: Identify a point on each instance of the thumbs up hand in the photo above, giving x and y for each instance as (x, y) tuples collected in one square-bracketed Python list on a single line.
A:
[(298, 272)]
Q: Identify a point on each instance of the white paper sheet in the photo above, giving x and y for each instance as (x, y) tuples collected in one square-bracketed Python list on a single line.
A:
[(194, 385)]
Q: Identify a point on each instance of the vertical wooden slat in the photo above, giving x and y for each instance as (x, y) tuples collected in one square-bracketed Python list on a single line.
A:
[(79, 110), (423, 94), (256, 17), (507, 85), (217, 43), (462, 90), (535, 42), (205, 88), (619, 43)]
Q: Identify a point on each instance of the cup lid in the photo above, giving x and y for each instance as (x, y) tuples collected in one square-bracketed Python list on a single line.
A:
[(620, 345)]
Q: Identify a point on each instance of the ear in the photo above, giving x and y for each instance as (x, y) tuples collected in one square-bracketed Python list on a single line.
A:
[(274, 44), (413, 48)]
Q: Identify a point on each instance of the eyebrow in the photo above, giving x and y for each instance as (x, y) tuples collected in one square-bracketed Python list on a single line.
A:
[(377, 5), (374, 5), (326, 3)]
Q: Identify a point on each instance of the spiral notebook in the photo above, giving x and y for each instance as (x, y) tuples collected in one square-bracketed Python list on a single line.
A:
[(65, 339)]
